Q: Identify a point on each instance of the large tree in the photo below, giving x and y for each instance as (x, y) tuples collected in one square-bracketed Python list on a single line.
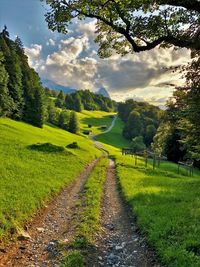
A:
[(132, 25)]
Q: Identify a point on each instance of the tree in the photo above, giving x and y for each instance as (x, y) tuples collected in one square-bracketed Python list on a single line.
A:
[(6, 102), (64, 118), (137, 144), (12, 66), (60, 101), (133, 126), (149, 134), (38, 114), (73, 122), (128, 25)]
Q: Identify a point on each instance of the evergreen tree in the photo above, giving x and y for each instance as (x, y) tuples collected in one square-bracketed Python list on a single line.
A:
[(73, 122), (60, 101), (78, 104), (12, 66), (38, 115), (6, 103)]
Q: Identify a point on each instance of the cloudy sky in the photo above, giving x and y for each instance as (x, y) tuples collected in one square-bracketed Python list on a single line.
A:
[(71, 60)]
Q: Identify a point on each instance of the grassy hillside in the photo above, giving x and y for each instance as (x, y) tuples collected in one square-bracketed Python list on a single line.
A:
[(114, 137), (30, 172), (166, 203), (96, 119)]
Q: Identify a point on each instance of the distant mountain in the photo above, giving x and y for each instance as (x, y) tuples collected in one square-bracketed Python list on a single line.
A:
[(102, 91), (58, 87)]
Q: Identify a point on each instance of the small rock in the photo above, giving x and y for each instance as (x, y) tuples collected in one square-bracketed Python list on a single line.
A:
[(40, 230), (100, 258), (22, 235), (2, 250)]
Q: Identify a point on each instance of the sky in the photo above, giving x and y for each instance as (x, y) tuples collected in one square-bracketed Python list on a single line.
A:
[(71, 60)]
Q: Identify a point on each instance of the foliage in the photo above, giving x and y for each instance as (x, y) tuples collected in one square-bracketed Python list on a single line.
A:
[(127, 26), (84, 99), (138, 144), (22, 95), (73, 122), (6, 102), (183, 116), (73, 145), (140, 118)]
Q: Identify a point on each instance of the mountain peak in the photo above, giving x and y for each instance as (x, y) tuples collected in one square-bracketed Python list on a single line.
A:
[(102, 91)]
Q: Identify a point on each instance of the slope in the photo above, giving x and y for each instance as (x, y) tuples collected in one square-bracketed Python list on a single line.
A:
[(34, 165)]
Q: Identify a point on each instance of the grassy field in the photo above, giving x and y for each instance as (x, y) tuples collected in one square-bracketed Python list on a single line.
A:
[(114, 137), (167, 208), (30, 173), (166, 204), (96, 119)]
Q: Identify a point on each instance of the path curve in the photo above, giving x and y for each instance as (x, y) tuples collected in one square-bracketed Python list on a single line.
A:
[(98, 144)]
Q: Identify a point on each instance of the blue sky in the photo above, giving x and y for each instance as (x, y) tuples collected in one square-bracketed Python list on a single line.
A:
[(71, 60)]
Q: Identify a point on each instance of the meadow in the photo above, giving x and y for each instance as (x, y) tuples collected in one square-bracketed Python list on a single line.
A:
[(165, 204), (95, 118), (34, 165)]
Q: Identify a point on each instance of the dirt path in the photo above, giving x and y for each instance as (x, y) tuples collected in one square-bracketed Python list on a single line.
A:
[(53, 224), (118, 244)]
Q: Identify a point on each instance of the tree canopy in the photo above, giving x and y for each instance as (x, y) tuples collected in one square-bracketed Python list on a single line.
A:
[(132, 25)]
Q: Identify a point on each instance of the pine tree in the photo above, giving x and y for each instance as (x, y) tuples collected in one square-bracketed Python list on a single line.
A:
[(38, 115), (60, 101), (12, 66), (6, 103), (73, 122)]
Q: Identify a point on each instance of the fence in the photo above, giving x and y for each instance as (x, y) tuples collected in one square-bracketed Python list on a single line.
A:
[(188, 165)]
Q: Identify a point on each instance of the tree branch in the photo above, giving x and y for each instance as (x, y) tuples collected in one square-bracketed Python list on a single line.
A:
[(188, 4)]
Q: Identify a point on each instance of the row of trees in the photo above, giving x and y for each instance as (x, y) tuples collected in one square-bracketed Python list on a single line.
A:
[(141, 120), (63, 118), (21, 93), (178, 134), (82, 99)]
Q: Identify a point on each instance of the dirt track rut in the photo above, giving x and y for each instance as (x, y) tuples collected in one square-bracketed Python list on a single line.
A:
[(52, 224), (118, 242)]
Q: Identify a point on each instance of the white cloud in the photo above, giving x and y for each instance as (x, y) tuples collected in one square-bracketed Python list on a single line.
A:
[(144, 76), (51, 42), (34, 55)]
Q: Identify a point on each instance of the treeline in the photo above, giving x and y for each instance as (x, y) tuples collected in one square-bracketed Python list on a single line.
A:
[(179, 133), (82, 99), (21, 93), (141, 122), (22, 96)]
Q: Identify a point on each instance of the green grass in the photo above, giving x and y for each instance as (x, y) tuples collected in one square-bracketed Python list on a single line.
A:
[(73, 259), (34, 165), (96, 119), (167, 208), (91, 201), (114, 137), (90, 208), (166, 204)]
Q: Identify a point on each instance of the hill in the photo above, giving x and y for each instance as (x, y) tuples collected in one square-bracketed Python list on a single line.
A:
[(33, 165)]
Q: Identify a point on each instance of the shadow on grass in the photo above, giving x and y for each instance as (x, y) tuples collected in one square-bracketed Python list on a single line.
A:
[(48, 148), (97, 121)]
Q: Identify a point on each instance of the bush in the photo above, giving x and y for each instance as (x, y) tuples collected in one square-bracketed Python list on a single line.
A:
[(138, 144), (47, 147), (73, 145)]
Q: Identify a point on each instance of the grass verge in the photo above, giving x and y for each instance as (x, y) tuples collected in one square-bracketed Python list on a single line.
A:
[(90, 214), (167, 209)]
